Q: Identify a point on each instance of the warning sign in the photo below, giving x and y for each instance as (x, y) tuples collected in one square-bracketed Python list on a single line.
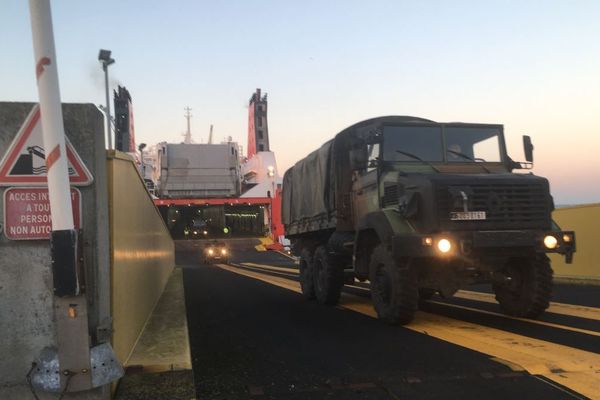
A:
[(27, 213), (25, 161)]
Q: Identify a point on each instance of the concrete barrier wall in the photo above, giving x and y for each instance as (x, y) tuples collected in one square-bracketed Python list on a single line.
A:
[(142, 253), (27, 322), (585, 221)]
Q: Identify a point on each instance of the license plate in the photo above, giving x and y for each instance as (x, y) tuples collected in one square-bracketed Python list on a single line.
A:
[(468, 216)]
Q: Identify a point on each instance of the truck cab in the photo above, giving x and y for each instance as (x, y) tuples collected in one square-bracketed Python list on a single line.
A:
[(442, 204)]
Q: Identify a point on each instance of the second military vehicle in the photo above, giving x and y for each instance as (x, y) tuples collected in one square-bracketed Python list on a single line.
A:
[(417, 208), (215, 251)]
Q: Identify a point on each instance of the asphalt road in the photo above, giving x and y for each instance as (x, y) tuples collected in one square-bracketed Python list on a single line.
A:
[(253, 336)]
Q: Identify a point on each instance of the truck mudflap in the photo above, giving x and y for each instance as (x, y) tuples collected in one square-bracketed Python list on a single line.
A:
[(455, 244)]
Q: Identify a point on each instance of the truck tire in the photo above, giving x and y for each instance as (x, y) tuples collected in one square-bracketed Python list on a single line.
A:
[(394, 288), (529, 290), (306, 274), (328, 277)]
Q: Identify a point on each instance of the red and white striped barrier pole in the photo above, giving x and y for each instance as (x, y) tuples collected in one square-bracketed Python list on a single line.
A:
[(51, 112)]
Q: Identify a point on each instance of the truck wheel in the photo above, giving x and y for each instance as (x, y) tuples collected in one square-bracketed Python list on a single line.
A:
[(394, 288), (528, 290), (306, 274), (328, 277)]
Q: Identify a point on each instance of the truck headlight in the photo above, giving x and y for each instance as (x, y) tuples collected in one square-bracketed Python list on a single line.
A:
[(223, 251), (550, 242), (444, 245), (211, 252)]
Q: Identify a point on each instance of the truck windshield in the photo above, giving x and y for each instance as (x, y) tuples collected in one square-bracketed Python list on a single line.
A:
[(424, 142), (463, 144), (471, 144)]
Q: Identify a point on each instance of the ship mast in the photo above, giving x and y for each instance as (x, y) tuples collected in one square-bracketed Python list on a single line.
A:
[(188, 133)]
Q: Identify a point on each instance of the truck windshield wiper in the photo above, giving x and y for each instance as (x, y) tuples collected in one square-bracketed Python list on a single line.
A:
[(417, 158), (466, 157)]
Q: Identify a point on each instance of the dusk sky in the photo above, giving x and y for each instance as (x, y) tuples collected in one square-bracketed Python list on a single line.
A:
[(533, 66)]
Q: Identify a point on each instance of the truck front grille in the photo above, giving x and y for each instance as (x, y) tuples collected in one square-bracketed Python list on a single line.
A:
[(390, 195), (507, 206)]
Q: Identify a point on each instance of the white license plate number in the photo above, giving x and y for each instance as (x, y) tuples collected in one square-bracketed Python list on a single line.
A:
[(468, 216)]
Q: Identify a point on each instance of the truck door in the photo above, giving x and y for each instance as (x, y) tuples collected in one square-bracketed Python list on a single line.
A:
[(365, 185)]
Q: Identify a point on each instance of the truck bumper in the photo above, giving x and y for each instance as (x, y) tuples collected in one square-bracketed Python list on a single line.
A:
[(470, 243)]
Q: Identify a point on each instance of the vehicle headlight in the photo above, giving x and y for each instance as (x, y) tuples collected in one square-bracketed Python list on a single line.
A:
[(211, 252), (550, 242), (205, 232), (223, 251), (444, 245)]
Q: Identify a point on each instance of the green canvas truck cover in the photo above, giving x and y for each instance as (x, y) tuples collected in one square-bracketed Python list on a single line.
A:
[(308, 194)]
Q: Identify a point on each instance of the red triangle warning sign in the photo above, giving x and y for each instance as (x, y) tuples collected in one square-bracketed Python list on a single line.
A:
[(25, 161)]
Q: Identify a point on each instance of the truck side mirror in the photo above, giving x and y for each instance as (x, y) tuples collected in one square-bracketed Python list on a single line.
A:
[(528, 148), (358, 158)]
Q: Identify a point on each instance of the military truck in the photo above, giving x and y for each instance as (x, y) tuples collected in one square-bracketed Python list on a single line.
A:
[(420, 208)]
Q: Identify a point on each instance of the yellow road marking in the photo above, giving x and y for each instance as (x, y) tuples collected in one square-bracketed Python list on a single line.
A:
[(531, 321), (557, 308), (573, 368), (274, 280), (272, 268)]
